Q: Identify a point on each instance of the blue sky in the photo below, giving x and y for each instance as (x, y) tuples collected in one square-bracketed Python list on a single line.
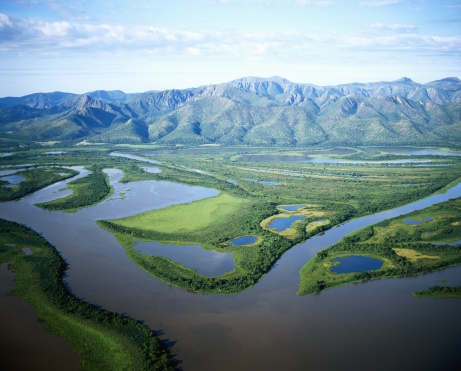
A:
[(135, 46)]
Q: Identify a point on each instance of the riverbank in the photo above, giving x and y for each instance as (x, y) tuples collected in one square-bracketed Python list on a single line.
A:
[(102, 339)]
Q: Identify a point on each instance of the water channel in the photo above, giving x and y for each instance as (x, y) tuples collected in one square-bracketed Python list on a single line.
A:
[(362, 326)]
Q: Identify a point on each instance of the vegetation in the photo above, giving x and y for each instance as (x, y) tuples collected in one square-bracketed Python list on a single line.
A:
[(332, 192), (403, 248), (35, 179), (104, 340), (439, 292), (87, 191)]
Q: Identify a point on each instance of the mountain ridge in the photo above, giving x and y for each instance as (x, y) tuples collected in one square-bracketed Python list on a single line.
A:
[(250, 111)]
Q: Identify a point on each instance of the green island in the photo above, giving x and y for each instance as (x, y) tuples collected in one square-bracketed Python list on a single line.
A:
[(439, 292), (103, 339), (35, 178), (87, 191), (404, 244)]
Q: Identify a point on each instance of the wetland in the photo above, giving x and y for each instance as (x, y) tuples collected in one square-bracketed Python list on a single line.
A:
[(263, 324)]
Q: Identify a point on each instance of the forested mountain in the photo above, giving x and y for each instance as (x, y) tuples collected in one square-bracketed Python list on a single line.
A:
[(251, 110)]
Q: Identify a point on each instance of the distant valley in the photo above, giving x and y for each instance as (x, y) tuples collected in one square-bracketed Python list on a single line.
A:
[(247, 111)]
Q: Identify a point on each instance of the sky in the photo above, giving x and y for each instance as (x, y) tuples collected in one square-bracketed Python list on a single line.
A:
[(79, 46)]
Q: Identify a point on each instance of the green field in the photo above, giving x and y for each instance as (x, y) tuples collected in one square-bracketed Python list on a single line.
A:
[(179, 219)]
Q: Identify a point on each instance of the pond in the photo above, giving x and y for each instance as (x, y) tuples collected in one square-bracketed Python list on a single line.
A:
[(247, 240), (356, 264), (13, 179), (416, 222), (207, 262), (292, 207), (307, 159), (262, 181), (281, 224), (416, 151)]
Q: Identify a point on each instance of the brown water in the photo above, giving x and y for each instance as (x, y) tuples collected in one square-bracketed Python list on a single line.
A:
[(361, 327), (24, 343)]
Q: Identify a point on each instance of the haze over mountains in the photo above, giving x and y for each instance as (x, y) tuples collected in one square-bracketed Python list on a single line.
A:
[(251, 110)]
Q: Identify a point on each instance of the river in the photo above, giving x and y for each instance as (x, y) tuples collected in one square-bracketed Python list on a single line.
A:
[(361, 326)]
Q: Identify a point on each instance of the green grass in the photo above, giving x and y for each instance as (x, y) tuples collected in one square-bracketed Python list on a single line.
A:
[(186, 218), (104, 340)]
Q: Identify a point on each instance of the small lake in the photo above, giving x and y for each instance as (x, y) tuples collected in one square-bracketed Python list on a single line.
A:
[(280, 224), (247, 240), (262, 181), (13, 179), (415, 151), (133, 157), (356, 264), (207, 262), (315, 160), (416, 222), (292, 207)]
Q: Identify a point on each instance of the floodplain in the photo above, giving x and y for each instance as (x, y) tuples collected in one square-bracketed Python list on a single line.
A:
[(331, 193)]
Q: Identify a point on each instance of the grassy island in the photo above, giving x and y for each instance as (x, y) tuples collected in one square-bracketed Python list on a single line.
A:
[(87, 191), (406, 245), (103, 339), (34, 180), (439, 292)]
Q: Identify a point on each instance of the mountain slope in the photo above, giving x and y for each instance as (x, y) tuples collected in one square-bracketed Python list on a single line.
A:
[(253, 111)]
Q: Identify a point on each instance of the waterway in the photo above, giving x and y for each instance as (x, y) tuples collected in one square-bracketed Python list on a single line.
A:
[(362, 326)]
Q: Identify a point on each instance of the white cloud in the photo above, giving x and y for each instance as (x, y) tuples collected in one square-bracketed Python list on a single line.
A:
[(376, 3), (395, 27), (313, 3), (26, 36)]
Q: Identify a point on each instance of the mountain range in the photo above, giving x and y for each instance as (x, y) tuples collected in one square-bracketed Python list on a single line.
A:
[(250, 111)]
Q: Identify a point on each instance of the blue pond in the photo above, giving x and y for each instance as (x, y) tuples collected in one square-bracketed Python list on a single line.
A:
[(413, 222), (356, 264), (262, 181), (207, 262), (292, 208), (280, 224), (231, 182), (243, 240), (13, 179)]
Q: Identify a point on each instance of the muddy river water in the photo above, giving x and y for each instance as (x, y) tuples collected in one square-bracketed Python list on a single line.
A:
[(362, 326)]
